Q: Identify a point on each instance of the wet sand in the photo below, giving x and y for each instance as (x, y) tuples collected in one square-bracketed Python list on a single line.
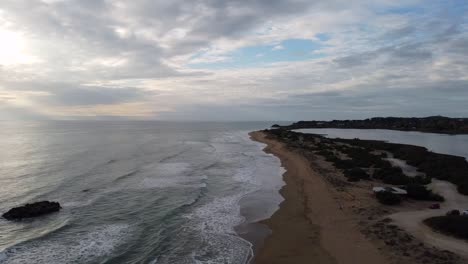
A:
[(310, 226)]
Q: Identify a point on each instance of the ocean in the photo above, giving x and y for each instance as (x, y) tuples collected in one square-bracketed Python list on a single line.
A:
[(134, 192)]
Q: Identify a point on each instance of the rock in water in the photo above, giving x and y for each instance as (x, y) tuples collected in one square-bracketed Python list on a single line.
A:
[(32, 210)]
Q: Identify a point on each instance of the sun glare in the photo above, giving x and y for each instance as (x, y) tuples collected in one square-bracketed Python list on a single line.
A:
[(12, 49)]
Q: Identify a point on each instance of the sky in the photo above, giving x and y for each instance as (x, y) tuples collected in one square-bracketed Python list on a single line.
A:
[(232, 60)]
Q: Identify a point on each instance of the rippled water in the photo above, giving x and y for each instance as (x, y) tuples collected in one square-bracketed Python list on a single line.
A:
[(133, 192)]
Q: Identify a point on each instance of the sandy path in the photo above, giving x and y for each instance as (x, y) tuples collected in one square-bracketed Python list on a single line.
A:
[(412, 221), (310, 227)]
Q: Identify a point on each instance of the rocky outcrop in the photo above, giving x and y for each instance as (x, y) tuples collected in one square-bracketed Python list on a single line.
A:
[(32, 210)]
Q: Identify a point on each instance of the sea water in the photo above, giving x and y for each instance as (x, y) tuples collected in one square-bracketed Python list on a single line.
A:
[(134, 192)]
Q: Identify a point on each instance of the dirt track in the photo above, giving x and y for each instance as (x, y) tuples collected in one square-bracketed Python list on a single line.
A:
[(411, 221)]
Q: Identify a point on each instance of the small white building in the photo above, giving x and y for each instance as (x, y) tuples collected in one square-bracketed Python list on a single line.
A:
[(394, 190)]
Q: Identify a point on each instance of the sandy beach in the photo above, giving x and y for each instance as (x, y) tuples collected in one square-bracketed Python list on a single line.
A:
[(311, 225)]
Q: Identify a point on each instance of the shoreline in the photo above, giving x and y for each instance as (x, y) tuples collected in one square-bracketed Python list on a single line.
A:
[(310, 226)]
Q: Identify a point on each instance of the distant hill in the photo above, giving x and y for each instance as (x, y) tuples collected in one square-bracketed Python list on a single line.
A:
[(433, 124)]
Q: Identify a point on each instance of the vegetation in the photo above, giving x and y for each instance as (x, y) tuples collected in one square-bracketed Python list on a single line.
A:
[(440, 166), (436, 124), (362, 157), (463, 187), (454, 225), (356, 174), (388, 198), (344, 164), (420, 192), (392, 175)]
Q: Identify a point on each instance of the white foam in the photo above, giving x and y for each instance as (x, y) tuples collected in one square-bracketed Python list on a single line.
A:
[(170, 168), (176, 181), (254, 170), (221, 215), (173, 174), (250, 166), (244, 166), (216, 221), (223, 249), (82, 248), (246, 175)]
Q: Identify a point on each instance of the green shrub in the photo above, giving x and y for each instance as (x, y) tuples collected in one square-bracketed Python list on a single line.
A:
[(455, 225), (421, 180), (463, 188), (393, 175), (325, 153), (344, 164), (420, 192), (363, 158), (388, 198), (356, 174), (396, 179)]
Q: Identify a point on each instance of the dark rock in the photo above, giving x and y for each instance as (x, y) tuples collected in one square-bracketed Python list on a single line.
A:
[(32, 210)]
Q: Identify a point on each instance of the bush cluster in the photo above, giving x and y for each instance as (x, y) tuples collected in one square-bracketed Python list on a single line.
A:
[(420, 192), (363, 158), (455, 225), (444, 167), (356, 174), (463, 188), (393, 175), (388, 198)]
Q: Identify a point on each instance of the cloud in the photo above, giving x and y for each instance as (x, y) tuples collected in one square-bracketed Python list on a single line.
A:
[(121, 58), (278, 47), (70, 94), (92, 95)]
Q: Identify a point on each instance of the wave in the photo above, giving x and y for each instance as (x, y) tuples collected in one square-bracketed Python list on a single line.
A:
[(215, 223), (111, 161), (126, 175), (40, 232), (100, 242), (165, 159), (180, 181)]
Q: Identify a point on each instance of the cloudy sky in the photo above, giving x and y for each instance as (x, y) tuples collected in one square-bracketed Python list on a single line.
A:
[(232, 60)]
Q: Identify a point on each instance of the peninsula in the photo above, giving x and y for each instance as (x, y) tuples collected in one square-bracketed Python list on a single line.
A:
[(431, 124)]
